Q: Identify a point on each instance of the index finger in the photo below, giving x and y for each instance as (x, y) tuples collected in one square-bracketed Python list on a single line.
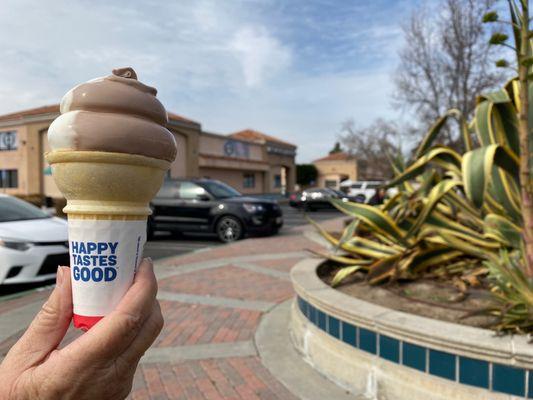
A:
[(112, 335)]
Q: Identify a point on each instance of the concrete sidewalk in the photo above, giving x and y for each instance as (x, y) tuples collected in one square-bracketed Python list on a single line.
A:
[(225, 334)]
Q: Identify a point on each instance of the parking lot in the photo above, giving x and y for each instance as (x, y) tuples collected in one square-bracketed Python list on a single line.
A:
[(166, 245)]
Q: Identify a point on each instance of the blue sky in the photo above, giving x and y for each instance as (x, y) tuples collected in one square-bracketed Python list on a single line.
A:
[(293, 69)]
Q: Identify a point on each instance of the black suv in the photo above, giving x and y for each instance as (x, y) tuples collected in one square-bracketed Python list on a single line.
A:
[(210, 206)]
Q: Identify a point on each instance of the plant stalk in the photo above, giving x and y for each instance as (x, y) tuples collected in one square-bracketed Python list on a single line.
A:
[(526, 184)]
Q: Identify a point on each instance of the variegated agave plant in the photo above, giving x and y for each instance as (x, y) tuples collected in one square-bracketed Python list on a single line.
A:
[(453, 214), (462, 216)]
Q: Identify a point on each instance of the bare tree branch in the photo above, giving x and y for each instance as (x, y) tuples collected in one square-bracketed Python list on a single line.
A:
[(445, 62), (372, 144)]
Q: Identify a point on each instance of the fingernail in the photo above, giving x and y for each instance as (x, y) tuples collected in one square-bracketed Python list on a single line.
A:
[(149, 260), (59, 276)]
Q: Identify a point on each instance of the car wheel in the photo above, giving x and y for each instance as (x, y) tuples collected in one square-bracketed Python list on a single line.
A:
[(229, 229)]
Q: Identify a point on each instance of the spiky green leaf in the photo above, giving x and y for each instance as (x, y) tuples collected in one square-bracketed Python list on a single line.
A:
[(344, 273), (372, 216), (477, 168)]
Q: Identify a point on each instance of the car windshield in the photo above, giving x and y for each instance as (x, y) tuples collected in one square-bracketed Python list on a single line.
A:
[(331, 192), (13, 209), (219, 190)]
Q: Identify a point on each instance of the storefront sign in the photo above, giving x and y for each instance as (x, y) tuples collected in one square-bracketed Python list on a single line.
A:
[(8, 140), (281, 151), (234, 148)]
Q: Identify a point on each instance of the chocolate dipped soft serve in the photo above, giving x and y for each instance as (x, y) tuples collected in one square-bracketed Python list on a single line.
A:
[(116, 113)]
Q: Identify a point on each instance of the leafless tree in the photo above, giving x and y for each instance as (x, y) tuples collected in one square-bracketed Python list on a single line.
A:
[(372, 145), (446, 61)]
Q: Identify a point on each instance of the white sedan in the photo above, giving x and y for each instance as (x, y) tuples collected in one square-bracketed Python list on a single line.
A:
[(32, 243)]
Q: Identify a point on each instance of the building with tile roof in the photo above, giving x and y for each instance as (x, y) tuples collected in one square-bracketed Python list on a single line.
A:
[(335, 168), (252, 163)]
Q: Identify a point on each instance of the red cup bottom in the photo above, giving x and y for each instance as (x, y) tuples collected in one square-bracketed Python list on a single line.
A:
[(85, 323)]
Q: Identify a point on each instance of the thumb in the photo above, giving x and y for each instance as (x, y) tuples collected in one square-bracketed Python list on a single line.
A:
[(49, 326)]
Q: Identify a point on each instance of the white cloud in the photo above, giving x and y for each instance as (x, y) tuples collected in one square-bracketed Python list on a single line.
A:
[(261, 55), (229, 65)]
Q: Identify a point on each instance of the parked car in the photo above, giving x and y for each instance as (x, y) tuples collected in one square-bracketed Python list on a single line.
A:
[(361, 191), (32, 243), (346, 197), (315, 198), (210, 206)]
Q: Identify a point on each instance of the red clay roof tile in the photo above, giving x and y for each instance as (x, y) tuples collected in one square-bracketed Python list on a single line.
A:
[(258, 137)]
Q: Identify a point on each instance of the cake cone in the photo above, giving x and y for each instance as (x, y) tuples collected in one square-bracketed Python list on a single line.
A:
[(105, 184)]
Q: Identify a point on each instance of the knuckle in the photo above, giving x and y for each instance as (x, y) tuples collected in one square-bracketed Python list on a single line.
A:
[(48, 314)]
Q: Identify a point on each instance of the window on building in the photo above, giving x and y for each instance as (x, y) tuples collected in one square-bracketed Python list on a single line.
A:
[(331, 183), (277, 181), (249, 181), (9, 178), (8, 140)]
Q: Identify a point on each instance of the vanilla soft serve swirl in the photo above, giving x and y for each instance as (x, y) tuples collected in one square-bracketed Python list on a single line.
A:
[(116, 113)]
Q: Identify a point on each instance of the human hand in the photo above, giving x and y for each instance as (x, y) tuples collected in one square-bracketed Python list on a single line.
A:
[(98, 365)]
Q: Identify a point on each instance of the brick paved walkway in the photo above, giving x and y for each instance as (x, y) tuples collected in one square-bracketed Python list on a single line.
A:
[(212, 302)]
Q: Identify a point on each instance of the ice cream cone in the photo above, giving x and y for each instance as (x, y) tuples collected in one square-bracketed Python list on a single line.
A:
[(110, 153), (107, 184)]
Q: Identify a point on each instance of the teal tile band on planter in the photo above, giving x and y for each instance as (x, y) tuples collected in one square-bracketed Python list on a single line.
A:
[(508, 380), (313, 314), (530, 391), (505, 379), (474, 372), (389, 348), (367, 340), (349, 334), (303, 305), (414, 356), (333, 327), (321, 320), (442, 364)]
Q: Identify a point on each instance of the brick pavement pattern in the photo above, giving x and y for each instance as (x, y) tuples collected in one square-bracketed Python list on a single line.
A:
[(229, 281), (235, 378), (191, 324)]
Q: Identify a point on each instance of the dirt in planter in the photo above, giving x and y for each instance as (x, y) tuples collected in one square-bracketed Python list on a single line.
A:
[(427, 297)]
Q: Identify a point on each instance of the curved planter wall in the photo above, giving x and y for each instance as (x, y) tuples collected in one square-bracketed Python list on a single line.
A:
[(389, 354)]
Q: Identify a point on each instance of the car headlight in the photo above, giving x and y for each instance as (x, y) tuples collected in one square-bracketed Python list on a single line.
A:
[(253, 208), (15, 244)]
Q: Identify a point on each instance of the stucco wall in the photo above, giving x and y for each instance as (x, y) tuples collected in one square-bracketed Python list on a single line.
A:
[(337, 170), (187, 138), (235, 178), (49, 187)]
